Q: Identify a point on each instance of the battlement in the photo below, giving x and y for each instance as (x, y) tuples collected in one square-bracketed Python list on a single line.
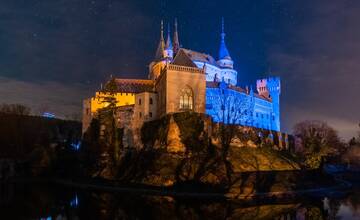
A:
[(268, 85), (184, 68)]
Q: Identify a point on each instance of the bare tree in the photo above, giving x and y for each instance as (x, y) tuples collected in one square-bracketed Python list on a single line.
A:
[(318, 139), (14, 109), (231, 108)]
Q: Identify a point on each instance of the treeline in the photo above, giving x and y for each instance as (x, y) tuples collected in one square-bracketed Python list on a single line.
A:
[(21, 134), (14, 109)]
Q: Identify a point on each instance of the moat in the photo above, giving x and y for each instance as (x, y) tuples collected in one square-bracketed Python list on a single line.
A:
[(44, 201)]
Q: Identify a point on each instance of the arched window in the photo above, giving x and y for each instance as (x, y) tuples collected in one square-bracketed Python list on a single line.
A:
[(186, 99)]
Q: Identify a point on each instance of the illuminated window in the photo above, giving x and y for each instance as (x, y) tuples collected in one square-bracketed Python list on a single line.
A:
[(186, 99)]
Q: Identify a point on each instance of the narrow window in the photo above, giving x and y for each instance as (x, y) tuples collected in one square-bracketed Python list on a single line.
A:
[(139, 101), (140, 114), (150, 114), (151, 101)]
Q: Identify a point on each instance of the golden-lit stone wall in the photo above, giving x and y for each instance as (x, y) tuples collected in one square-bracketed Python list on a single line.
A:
[(121, 98), (93, 104)]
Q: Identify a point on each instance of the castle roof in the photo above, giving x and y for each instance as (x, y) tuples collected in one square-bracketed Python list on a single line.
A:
[(134, 85), (201, 57), (183, 59), (235, 88)]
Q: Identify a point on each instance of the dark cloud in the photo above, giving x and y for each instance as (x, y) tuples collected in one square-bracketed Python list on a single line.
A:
[(319, 65)]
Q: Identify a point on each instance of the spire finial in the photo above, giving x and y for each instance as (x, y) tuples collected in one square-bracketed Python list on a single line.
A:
[(222, 24), (222, 29), (162, 28), (168, 39), (176, 38)]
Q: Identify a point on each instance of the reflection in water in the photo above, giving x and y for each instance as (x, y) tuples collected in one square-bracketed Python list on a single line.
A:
[(41, 201)]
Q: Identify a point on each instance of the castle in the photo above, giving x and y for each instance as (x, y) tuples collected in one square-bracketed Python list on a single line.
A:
[(180, 79)]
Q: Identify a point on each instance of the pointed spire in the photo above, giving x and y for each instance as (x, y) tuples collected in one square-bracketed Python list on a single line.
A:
[(176, 38), (161, 46), (168, 45), (223, 51)]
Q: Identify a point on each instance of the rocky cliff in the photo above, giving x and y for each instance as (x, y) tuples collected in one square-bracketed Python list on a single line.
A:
[(183, 151)]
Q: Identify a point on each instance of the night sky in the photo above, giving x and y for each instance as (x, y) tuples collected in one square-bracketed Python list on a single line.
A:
[(54, 53)]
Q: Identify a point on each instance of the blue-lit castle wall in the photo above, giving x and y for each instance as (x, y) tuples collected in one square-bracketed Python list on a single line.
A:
[(232, 105)]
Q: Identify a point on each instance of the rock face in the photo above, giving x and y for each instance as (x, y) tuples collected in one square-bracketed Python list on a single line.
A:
[(183, 151), (174, 144)]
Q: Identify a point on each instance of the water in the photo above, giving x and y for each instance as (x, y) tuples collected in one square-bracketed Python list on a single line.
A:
[(43, 201)]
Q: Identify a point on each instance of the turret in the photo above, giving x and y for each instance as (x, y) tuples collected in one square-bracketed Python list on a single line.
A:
[(160, 50), (159, 62), (271, 88), (224, 55)]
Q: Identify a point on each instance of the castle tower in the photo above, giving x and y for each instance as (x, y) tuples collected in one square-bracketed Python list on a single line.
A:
[(274, 87), (160, 50), (158, 64), (224, 55), (176, 46), (168, 53), (271, 88)]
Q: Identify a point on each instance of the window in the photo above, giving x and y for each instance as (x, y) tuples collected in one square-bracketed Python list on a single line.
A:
[(186, 99), (150, 114), (151, 101), (139, 101), (140, 114), (257, 114)]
